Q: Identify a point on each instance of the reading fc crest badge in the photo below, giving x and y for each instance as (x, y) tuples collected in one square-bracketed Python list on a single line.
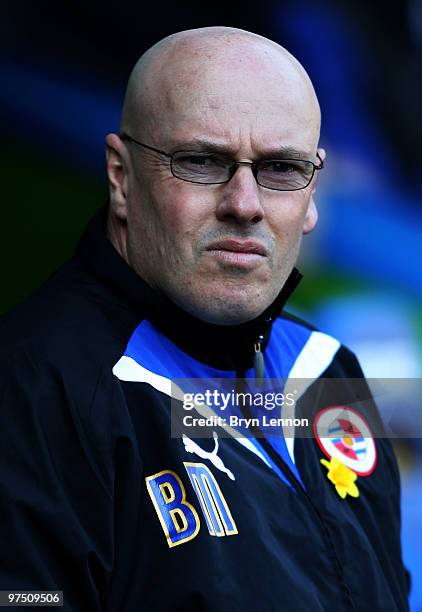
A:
[(343, 433)]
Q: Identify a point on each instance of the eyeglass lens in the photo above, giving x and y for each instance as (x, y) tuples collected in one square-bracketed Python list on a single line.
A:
[(206, 168)]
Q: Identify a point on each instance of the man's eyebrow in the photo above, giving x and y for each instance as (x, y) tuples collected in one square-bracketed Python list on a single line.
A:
[(279, 152), (203, 144), (286, 152)]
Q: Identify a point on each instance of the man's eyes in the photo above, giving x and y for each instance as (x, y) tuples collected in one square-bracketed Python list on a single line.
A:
[(279, 167), (204, 161)]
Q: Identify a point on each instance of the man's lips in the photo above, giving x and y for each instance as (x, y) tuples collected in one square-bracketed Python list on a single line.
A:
[(239, 246), (241, 254)]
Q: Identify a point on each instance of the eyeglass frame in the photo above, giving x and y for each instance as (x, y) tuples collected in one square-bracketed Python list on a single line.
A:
[(235, 165)]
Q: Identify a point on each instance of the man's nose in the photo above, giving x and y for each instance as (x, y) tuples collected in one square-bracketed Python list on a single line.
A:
[(240, 198)]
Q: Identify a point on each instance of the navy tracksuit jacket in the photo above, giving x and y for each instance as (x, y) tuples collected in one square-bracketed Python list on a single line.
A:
[(99, 501)]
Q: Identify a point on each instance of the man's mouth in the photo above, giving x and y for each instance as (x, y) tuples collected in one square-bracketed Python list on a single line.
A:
[(242, 253)]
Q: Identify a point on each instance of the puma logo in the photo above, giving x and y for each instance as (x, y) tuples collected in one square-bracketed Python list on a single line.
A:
[(192, 447)]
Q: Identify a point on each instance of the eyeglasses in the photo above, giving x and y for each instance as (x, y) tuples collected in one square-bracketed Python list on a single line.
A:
[(206, 168)]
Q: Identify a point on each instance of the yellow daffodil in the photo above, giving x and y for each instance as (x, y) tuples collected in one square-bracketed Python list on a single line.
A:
[(342, 477)]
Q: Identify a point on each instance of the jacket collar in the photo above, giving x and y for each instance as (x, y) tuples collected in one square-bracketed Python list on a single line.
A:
[(225, 347)]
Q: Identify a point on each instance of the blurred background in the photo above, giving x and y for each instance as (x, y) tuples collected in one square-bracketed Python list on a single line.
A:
[(65, 65)]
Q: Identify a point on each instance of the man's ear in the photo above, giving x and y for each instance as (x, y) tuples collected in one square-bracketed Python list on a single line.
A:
[(117, 171), (311, 217)]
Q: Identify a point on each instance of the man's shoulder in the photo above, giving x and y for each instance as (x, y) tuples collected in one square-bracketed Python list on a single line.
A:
[(70, 317), (57, 351), (316, 342)]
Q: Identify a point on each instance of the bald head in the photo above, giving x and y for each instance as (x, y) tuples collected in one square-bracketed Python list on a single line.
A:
[(193, 71)]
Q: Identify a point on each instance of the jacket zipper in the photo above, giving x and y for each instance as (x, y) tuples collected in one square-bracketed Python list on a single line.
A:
[(259, 370), (258, 360)]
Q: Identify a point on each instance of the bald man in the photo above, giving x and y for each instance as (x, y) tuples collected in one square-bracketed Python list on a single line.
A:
[(182, 277)]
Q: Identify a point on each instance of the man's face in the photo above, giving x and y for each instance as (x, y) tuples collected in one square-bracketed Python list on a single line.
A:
[(221, 252)]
